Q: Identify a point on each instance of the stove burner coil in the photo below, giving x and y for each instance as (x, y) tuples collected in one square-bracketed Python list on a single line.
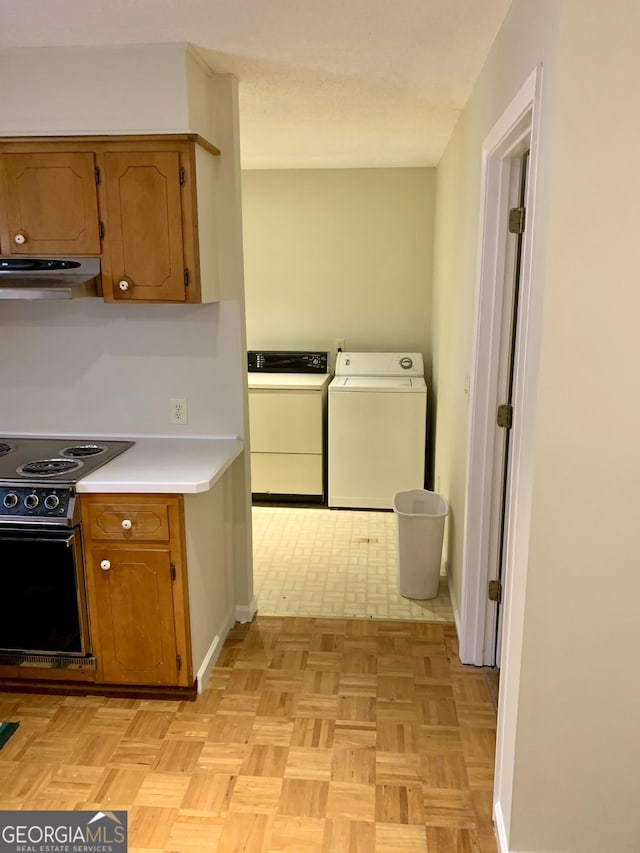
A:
[(4, 448), (78, 451), (49, 467)]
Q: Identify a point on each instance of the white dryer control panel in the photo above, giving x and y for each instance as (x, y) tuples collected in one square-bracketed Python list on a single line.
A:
[(379, 364)]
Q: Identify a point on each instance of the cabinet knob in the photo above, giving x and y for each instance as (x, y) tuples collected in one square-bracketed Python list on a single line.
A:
[(126, 524), (123, 285), (20, 239), (105, 565)]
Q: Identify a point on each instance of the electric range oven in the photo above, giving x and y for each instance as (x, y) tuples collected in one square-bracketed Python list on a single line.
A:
[(43, 611)]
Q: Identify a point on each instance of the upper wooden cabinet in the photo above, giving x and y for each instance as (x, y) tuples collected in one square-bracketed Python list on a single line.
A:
[(51, 204), (149, 251), (144, 204)]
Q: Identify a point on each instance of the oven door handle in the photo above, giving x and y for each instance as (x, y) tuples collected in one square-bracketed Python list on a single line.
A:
[(64, 538)]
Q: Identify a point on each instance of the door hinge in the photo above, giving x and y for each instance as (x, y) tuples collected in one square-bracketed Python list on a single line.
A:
[(516, 220), (97, 174), (186, 277), (172, 569), (183, 175), (101, 230), (495, 591), (505, 416), (178, 662)]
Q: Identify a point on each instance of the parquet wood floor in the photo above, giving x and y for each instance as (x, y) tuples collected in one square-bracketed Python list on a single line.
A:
[(313, 736)]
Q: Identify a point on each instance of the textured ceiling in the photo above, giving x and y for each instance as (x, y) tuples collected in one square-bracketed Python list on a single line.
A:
[(337, 83)]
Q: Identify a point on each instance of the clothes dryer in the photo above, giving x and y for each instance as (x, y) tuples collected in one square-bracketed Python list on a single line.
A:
[(377, 428)]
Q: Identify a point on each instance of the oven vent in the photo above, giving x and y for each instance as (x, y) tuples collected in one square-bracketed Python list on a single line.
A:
[(47, 661), (48, 278)]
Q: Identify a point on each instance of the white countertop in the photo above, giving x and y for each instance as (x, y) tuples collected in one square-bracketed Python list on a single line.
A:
[(166, 465), (289, 381)]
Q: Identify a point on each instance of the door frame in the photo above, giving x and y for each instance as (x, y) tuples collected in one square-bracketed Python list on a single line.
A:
[(520, 120)]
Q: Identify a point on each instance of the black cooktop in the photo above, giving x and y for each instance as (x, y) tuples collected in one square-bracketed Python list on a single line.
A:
[(54, 460)]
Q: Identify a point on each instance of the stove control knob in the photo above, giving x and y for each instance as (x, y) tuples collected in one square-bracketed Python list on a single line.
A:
[(10, 500), (52, 501), (105, 565), (126, 524), (406, 363), (20, 239), (123, 285), (31, 501)]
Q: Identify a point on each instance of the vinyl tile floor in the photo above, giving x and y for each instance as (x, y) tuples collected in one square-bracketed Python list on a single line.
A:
[(312, 736), (343, 563)]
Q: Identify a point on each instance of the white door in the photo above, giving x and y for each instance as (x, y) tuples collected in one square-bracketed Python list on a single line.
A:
[(504, 366), (515, 227)]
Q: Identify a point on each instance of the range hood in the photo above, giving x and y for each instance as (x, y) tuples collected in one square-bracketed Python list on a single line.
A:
[(48, 278)]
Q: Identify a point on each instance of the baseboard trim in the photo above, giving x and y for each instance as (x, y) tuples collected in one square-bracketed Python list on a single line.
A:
[(212, 655), (209, 662), (86, 688), (246, 612), (500, 828), (454, 606)]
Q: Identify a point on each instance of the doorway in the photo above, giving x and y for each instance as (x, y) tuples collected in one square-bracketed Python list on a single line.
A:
[(517, 130), (499, 375)]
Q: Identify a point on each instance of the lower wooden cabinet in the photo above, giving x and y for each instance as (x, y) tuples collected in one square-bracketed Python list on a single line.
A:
[(137, 588)]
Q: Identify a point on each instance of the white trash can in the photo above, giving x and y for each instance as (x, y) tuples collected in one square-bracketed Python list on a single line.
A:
[(421, 516)]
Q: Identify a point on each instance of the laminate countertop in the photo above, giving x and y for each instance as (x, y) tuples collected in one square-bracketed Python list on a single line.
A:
[(165, 465)]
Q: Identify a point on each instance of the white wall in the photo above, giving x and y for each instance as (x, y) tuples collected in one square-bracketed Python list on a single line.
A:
[(108, 89), (571, 780), (585, 535), (526, 40), (338, 253), (86, 367)]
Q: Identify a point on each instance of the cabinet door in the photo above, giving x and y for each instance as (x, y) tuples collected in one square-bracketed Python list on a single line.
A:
[(143, 238), (134, 627), (51, 204)]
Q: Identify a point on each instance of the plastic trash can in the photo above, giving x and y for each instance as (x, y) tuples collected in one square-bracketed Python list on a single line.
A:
[(421, 516)]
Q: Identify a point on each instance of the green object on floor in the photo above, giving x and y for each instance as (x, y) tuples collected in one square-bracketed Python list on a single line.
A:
[(6, 730)]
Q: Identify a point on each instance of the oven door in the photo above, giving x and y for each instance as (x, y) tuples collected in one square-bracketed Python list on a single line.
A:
[(42, 595)]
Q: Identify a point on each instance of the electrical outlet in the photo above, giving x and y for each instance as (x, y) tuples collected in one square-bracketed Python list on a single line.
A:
[(338, 345), (178, 407)]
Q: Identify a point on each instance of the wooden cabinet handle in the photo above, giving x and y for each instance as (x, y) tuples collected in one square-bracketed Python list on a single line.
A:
[(105, 565), (124, 284), (127, 524), (20, 239)]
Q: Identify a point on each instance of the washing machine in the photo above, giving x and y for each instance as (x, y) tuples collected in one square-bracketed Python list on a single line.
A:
[(377, 406)]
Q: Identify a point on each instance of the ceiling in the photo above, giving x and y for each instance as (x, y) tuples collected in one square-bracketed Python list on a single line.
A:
[(331, 84)]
